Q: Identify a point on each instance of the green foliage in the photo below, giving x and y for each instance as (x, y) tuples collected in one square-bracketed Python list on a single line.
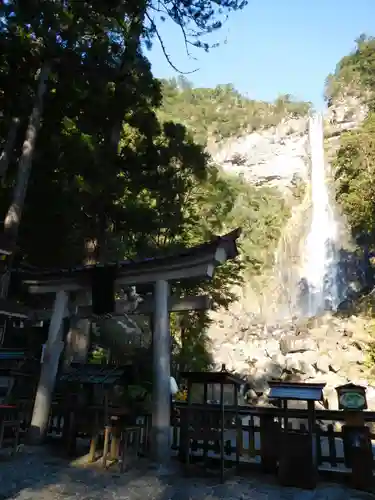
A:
[(222, 202), (355, 160), (191, 346), (222, 112), (229, 201), (355, 174), (217, 206), (195, 18), (298, 188), (98, 356), (354, 74)]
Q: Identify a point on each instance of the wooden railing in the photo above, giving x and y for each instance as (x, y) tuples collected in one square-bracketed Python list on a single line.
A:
[(328, 436), (85, 420)]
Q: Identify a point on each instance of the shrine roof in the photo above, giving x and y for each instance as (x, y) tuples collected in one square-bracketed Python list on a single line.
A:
[(302, 391), (189, 262)]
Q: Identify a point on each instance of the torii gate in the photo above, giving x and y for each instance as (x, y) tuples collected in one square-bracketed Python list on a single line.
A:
[(197, 262)]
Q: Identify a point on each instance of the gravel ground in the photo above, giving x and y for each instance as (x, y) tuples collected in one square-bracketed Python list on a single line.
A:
[(35, 474)]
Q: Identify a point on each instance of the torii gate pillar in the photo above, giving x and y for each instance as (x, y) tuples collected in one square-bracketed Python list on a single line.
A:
[(48, 372), (161, 404)]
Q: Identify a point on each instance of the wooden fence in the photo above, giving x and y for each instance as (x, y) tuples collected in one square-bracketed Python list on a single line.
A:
[(328, 435)]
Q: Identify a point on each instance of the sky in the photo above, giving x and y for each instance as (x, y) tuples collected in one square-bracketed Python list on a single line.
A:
[(272, 47)]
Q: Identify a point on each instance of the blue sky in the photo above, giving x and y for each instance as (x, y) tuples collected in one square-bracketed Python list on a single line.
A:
[(273, 47)]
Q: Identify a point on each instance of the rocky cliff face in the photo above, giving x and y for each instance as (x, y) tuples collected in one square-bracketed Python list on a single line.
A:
[(274, 156), (345, 114), (329, 349), (278, 155)]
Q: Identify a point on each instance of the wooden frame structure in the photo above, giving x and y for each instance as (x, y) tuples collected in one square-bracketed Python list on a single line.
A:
[(145, 307), (206, 422), (297, 461), (198, 263)]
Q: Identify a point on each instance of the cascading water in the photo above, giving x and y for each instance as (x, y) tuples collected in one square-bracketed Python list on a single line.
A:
[(307, 258), (320, 270)]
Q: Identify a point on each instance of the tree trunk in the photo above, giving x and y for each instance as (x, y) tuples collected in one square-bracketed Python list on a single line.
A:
[(13, 217), (9, 146)]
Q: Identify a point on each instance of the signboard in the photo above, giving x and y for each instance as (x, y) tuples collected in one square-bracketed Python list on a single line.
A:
[(352, 397)]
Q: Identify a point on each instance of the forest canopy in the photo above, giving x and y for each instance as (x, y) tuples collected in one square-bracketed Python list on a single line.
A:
[(353, 74), (222, 112)]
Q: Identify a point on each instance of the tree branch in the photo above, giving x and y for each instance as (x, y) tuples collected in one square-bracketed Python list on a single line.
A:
[(164, 49)]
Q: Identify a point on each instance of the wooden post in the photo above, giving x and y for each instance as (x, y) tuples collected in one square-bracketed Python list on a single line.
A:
[(48, 373), (152, 329), (358, 450), (161, 410), (269, 443)]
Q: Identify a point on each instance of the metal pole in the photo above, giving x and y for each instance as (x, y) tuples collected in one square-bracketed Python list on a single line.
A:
[(161, 407)]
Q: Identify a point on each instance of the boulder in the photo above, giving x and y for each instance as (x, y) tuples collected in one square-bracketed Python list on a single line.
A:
[(299, 366), (256, 355), (278, 358), (290, 344), (336, 363), (308, 357), (274, 371), (272, 348), (323, 363), (370, 395), (354, 356), (327, 349), (293, 364), (330, 398)]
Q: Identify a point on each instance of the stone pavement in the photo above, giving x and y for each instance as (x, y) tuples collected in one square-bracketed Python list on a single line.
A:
[(38, 475)]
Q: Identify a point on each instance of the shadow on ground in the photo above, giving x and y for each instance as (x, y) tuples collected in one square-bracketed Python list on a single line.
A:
[(39, 475)]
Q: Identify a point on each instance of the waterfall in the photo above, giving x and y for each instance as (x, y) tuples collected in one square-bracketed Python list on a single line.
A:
[(315, 269), (319, 267), (307, 265)]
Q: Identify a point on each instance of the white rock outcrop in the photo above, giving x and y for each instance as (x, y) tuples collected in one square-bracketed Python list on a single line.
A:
[(273, 156)]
